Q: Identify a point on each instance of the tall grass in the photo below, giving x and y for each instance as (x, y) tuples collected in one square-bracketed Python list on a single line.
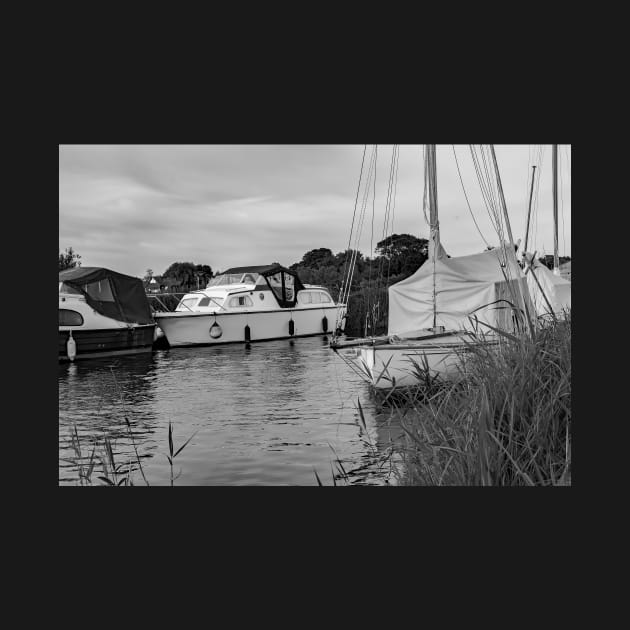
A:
[(507, 421), (112, 472)]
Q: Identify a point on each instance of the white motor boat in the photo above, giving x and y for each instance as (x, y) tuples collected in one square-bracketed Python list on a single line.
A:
[(246, 304), (102, 313)]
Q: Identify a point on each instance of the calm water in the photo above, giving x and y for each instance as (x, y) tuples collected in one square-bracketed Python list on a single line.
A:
[(267, 414)]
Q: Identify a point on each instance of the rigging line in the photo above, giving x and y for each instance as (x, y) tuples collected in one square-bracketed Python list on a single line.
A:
[(493, 201), (541, 153), (356, 200), (497, 191), (372, 244), (520, 291), (386, 213), (561, 173), (493, 212), (482, 185), (501, 195), (394, 203), (353, 256), (466, 196), (534, 223), (496, 211), (360, 229), (425, 189), (348, 276), (487, 154), (387, 246), (528, 194)]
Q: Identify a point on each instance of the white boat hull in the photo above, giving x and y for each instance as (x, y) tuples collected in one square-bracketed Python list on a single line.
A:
[(97, 335), (191, 329), (386, 365)]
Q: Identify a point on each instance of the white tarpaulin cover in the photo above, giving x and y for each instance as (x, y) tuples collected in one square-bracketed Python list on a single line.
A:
[(464, 286), (555, 288)]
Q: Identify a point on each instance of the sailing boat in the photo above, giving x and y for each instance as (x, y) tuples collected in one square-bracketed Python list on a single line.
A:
[(435, 315), (549, 290)]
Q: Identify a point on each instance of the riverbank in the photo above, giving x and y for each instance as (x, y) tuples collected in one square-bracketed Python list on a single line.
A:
[(508, 422)]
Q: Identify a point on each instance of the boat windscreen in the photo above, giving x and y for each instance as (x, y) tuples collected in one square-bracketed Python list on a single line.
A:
[(236, 278)]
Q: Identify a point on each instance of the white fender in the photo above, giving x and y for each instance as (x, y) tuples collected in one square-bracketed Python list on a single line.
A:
[(71, 347)]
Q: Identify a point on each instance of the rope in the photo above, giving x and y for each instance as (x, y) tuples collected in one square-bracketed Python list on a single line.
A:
[(393, 174), (355, 250), (466, 196), (369, 313), (356, 201)]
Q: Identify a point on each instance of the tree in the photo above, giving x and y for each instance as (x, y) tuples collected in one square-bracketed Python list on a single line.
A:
[(203, 273), (148, 275), (317, 258), (69, 259), (403, 253), (183, 273), (188, 275)]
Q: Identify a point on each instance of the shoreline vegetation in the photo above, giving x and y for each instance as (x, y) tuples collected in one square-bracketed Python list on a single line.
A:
[(506, 421)]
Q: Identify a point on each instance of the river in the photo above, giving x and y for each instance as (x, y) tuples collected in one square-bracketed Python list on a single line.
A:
[(270, 413)]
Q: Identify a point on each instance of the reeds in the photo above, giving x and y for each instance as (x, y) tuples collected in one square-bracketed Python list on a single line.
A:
[(506, 421), (117, 473)]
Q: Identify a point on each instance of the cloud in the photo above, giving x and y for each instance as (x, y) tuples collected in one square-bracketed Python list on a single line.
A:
[(134, 207)]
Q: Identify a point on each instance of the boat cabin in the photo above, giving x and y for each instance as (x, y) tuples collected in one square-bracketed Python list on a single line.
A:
[(268, 287)]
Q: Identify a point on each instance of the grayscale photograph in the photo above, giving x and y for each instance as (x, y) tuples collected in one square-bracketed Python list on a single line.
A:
[(314, 315)]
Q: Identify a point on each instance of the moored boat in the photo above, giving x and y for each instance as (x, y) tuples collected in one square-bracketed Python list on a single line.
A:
[(102, 313), (244, 304), (446, 308)]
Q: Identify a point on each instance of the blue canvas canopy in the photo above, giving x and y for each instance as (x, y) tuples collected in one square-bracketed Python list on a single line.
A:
[(110, 293)]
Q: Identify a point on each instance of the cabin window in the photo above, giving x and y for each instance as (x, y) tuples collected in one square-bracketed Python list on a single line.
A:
[(66, 288), (240, 301), (100, 290), (188, 303), (210, 301), (314, 297), (70, 318), (289, 291), (233, 278), (283, 286)]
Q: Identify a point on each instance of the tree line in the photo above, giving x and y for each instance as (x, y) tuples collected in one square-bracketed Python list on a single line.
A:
[(397, 257)]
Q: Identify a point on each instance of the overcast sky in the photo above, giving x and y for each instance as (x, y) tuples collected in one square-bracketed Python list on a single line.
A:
[(130, 207)]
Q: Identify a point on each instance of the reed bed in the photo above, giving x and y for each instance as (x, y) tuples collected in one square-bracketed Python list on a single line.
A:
[(102, 465), (506, 421)]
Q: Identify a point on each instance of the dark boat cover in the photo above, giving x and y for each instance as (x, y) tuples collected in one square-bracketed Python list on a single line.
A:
[(110, 293)]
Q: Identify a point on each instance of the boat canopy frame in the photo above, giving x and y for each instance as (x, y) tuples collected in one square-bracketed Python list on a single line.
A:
[(284, 290)]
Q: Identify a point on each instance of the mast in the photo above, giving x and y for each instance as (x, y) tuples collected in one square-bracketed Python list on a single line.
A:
[(430, 183), (520, 293), (529, 212), (556, 265)]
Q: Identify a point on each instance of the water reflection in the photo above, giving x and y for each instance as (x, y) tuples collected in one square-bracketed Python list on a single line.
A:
[(95, 397), (263, 413)]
